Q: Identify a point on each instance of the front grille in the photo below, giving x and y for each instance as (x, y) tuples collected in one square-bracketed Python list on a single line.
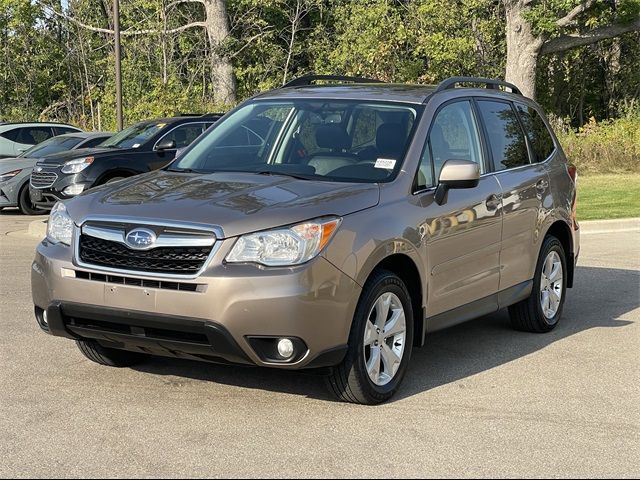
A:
[(170, 260), (43, 179)]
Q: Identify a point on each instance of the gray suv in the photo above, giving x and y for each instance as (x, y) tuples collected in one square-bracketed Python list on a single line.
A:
[(322, 227)]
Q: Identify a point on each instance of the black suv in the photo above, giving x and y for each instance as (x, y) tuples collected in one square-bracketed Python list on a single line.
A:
[(140, 148)]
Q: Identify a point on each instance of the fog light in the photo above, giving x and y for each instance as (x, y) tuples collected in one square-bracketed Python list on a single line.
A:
[(44, 318), (75, 189), (285, 348)]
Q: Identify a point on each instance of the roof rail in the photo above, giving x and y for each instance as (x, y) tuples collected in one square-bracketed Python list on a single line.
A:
[(308, 79), (491, 83)]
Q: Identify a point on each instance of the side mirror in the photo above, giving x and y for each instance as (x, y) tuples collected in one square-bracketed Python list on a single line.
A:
[(456, 174), (166, 145)]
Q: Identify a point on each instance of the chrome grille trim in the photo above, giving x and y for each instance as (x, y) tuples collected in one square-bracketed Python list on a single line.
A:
[(42, 179), (163, 240)]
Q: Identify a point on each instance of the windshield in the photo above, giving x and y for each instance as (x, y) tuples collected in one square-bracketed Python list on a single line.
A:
[(133, 136), (51, 146), (317, 139)]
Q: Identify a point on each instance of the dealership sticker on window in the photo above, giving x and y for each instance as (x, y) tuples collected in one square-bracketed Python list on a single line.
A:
[(386, 163)]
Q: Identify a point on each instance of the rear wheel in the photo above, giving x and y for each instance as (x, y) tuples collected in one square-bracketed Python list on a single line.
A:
[(542, 310), (380, 343), (108, 356), (25, 204)]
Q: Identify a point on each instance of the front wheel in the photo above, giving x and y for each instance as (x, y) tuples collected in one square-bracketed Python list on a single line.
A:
[(380, 343), (109, 357), (25, 204), (541, 311)]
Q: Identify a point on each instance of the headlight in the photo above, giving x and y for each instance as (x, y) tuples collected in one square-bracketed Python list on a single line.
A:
[(60, 225), (77, 165), (285, 246), (6, 176)]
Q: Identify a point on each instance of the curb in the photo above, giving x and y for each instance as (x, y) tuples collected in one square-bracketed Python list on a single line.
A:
[(38, 228), (605, 226)]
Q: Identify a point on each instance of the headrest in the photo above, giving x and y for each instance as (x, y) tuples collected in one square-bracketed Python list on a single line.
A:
[(390, 139), (333, 136)]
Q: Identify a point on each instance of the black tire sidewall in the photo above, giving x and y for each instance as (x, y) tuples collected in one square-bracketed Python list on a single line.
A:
[(387, 282), (550, 244), (24, 203)]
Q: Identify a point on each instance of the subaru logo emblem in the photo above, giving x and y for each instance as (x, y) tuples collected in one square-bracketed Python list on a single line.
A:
[(140, 239)]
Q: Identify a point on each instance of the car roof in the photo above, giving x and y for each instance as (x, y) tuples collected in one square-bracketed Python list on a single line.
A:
[(35, 124), (84, 135), (394, 92), (365, 89), (185, 118)]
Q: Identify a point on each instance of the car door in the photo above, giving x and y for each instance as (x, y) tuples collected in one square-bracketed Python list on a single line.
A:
[(524, 186), (463, 234)]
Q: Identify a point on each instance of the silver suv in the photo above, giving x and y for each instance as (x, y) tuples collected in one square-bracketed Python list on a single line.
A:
[(322, 226)]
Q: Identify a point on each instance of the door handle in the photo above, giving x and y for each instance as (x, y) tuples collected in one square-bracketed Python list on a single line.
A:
[(542, 185), (493, 201)]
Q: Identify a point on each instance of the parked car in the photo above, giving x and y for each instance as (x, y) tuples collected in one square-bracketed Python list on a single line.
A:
[(322, 226), (140, 148), (15, 172), (16, 138)]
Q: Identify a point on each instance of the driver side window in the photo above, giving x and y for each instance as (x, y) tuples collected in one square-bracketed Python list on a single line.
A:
[(453, 135)]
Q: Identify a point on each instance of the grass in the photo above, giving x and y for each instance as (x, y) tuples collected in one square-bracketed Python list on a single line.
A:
[(608, 196)]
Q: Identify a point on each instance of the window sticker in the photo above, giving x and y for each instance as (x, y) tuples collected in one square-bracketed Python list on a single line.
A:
[(161, 125), (386, 163), (135, 145)]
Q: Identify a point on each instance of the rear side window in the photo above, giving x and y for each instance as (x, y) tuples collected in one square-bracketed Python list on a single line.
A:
[(506, 139), (34, 135), (541, 140), (63, 130), (11, 135)]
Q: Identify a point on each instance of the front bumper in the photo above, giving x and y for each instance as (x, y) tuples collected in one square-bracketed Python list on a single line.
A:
[(215, 317), (47, 197)]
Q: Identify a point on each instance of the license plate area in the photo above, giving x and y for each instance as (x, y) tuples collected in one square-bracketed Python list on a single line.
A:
[(131, 298), (35, 194)]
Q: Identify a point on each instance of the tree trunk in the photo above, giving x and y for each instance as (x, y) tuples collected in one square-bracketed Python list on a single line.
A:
[(217, 27), (523, 49)]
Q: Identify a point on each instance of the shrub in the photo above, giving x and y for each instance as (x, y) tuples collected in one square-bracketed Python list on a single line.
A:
[(609, 146)]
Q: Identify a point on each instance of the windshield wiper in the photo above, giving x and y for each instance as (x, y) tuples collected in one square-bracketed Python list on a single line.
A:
[(184, 170), (298, 176)]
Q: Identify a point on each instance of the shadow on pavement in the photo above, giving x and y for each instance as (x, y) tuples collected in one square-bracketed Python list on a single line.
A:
[(599, 298), (10, 211)]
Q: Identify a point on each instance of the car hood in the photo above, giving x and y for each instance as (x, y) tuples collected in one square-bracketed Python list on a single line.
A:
[(59, 158), (19, 163), (238, 203)]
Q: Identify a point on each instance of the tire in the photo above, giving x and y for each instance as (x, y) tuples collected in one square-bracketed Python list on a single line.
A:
[(529, 315), (350, 381), (108, 356), (25, 205)]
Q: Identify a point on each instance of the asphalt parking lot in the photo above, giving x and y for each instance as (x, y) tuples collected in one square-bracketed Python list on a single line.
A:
[(479, 400)]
